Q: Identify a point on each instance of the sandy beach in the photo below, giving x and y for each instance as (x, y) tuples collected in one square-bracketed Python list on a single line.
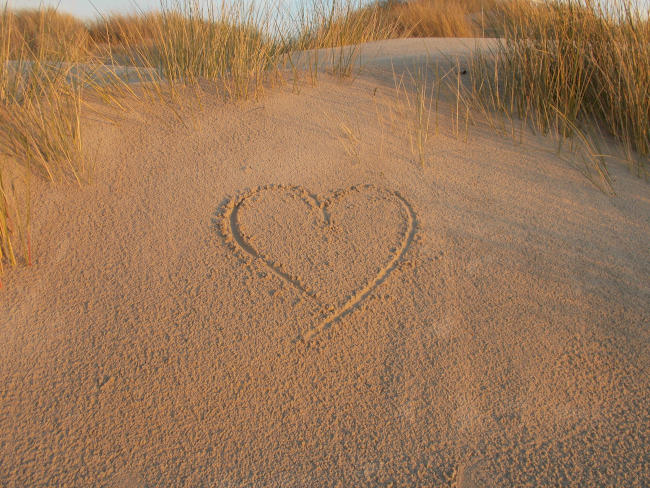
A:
[(276, 293)]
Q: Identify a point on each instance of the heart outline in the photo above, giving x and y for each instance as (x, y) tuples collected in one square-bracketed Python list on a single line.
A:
[(233, 235)]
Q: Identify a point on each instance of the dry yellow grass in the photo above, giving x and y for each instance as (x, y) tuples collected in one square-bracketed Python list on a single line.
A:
[(572, 67), (40, 107), (439, 18), (48, 34), (338, 27)]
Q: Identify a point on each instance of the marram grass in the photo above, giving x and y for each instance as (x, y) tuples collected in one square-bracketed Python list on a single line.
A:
[(572, 67)]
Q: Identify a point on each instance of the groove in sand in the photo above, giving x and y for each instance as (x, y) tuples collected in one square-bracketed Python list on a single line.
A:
[(232, 231)]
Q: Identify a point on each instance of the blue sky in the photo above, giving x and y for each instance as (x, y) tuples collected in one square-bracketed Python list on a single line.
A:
[(85, 8), (88, 8)]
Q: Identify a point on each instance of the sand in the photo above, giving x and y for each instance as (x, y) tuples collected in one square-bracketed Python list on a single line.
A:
[(237, 300)]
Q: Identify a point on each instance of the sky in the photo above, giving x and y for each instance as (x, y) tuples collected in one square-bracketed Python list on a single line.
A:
[(88, 9)]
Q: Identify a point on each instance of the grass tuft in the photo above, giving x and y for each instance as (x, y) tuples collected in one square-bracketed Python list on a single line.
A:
[(439, 18), (571, 67), (40, 113)]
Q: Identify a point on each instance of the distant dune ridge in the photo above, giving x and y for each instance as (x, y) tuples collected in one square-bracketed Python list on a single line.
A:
[(352, 268)]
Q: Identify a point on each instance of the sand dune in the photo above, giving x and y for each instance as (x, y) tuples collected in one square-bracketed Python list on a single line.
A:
[(238, 301)]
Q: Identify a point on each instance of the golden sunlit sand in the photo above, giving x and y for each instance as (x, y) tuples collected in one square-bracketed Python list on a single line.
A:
[(278, 293)]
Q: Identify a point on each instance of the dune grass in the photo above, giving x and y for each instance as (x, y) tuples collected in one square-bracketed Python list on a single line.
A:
[(187, 41), (124, 29), (439, 18), (48, 34), (239, 47), (40, 111), (572, 67), (228, 45), (417, 91), (327, 35)]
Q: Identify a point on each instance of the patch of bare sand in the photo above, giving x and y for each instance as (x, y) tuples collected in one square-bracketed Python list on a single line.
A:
[(507, 344)]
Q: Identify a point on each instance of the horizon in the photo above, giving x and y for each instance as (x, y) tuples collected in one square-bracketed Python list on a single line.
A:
[(92, 9), (89, 9)]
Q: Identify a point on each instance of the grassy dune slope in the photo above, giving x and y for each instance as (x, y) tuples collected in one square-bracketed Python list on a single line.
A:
[(563, 67)]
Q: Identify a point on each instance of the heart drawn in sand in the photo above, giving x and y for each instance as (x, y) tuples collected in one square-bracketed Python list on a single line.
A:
[(336, 250)]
